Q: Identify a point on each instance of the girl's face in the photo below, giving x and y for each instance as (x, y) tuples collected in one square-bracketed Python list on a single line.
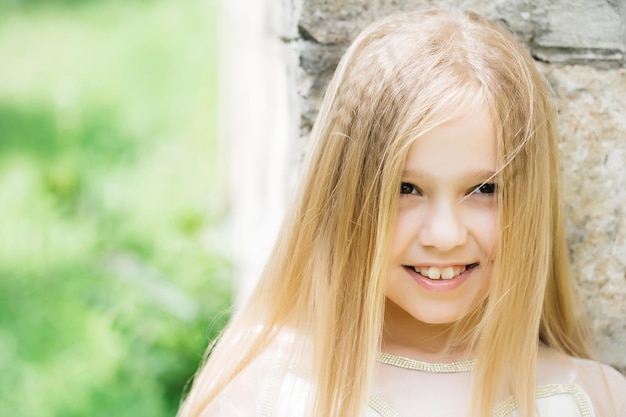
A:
[(441, 250)]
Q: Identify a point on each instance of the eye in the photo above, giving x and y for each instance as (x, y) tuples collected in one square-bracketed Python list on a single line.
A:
[(408, 188), (486, 188)]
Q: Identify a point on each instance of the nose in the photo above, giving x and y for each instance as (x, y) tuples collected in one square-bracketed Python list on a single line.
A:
[(443, 228)]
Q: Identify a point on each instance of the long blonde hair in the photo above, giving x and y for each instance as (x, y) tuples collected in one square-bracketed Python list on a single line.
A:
[(325, 277)]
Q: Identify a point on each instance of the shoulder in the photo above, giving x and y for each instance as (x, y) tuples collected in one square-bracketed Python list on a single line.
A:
[(605, 386), (273, 383), (600, 373)]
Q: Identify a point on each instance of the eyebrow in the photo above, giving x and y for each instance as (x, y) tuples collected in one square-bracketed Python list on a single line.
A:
[(480, 174)]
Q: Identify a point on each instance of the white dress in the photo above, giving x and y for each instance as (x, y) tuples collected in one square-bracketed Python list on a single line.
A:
[(566, 387)]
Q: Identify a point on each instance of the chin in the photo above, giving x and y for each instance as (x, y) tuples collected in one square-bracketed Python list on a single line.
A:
[(440, 319)]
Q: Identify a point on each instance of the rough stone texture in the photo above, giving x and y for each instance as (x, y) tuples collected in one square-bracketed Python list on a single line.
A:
[(593, 152), (581, 46), (580, 31)]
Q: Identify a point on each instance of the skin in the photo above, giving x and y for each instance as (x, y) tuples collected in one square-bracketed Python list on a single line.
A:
[(447, 218)]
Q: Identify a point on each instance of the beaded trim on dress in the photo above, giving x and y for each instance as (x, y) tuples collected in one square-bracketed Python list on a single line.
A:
[(415, 365)]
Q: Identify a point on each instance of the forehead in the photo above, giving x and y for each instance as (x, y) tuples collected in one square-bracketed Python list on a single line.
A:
[(465, 143)]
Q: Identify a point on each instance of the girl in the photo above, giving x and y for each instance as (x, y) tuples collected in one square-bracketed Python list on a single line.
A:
[(422, 269)]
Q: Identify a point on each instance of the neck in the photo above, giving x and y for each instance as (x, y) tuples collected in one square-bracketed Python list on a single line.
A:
[(406, 336)]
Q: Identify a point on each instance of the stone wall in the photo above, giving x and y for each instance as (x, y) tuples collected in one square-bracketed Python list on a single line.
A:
[(580, 46)]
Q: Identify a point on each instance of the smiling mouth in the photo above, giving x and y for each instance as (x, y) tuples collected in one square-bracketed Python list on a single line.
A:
[(433, 272)]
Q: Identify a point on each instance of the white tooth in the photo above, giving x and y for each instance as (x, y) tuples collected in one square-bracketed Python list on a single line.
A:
[(463, 268), (434, 273), (457, 271), (447, 273), (423, 271)]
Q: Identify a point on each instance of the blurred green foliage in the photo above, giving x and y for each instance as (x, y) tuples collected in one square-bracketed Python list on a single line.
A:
[(113, 274), (37, 5)]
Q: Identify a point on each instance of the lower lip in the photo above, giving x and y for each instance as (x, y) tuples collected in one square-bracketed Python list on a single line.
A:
[(440, 285)]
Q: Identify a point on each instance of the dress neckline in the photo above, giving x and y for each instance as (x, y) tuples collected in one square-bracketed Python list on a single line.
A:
[(415, 365)]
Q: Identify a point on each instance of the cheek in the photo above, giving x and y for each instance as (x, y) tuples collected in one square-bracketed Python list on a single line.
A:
[(403, 232), (490, 235), (396, 240), (486, 231)]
